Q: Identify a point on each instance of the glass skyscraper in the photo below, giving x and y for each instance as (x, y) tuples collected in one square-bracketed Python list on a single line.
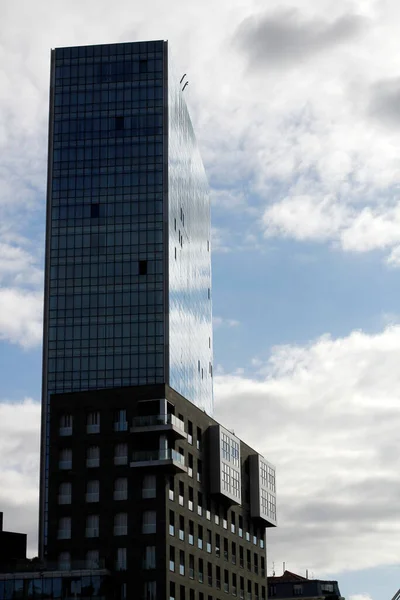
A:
[(128, 261), (128, 277)]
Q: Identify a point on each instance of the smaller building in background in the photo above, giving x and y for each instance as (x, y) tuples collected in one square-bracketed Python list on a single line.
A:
[(290, 585), (12, 545)]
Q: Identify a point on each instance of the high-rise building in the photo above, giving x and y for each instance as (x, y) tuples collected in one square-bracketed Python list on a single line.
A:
[(136, 475), (128, 269)]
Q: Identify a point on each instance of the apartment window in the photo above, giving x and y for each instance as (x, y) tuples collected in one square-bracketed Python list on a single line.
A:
[(240, 526), (121, 454), (64, 528), (272, 590), (199, 503), (199, 474), (234, 584), (95, 210), (216, 517), (217, 544), (200, 537), (172, 559), (65, 460), (121, 559), (121, 524), (121, 488), (93, 422), (191, 533), (190, 433), (241, 557), (93, 457), (233, 554), (248, 554), (209, 573), (201, 570), (92, 526), (191, 498), (191, 566), (120, 422), (92, 559), (327, 587), (233, 522), (171, 590), (181, 493), (256, 592), (226, 581), (66, 425), (190, 464), (171, 522), (255, 563), (209, 543), (263, 592), (149, 561), (297, 589), (249, 594), (262, 566), (150, 590), (149, 486), (64, 561), (93, 491), (225, 518), (218, 577), (149, 521), (199, 439), (181, 562), (181, 527), (64, 493), (226, 549), (241, 588), (171, 494), (119, 123)]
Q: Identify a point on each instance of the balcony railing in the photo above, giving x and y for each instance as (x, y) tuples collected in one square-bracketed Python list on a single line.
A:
[(158, 420), (158, 455)]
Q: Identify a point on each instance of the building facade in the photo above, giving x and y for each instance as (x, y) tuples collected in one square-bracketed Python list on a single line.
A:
[(128, 267), (290, 585), (149, 485), (137, 478), (12, 545)]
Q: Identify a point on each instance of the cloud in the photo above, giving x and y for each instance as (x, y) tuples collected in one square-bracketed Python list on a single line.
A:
[(284, 37), (21, 316), (222, 322), (19, 467), (385, 102), (327, 414), (360, 597)]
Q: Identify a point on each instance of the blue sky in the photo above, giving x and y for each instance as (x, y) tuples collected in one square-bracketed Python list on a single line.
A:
[(295, 105)]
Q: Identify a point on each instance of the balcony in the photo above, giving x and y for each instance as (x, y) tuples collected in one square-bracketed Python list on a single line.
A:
[(154, 458), (159, 423)]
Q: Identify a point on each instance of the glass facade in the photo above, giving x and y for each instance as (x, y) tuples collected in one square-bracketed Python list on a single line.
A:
[(128, 263), (189, 266), (89, 585)]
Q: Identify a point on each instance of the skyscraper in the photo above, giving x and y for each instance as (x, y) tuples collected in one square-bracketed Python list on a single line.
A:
[(136, 475), (128, 269)]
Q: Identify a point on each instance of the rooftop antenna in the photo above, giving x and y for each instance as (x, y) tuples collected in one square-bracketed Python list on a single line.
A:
[(273, 569), (183, 77), (306, 573), (187, 83), (284, 567)]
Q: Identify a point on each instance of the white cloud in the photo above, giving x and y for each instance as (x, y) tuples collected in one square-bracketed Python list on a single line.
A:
[(360, 597), (222, 322), (19, 467), (21, 316), (328, 416)]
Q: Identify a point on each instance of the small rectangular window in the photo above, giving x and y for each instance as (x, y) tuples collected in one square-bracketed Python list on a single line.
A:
[(94, 210), (119, 123), (142, 267), (143, 66)]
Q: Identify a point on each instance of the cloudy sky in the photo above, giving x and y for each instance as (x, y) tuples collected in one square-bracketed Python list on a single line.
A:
[(296, 104)]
